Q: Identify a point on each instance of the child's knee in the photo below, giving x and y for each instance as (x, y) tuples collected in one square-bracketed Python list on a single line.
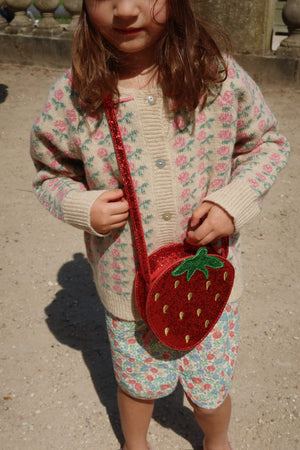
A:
[(200, 411)]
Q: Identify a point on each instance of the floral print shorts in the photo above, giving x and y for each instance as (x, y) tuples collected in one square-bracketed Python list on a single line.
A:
[(147, 369)]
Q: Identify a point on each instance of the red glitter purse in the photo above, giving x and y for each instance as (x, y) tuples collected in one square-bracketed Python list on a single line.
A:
[(180, 290)]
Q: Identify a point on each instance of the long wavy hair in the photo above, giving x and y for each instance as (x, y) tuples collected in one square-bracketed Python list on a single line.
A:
[(189, 59)]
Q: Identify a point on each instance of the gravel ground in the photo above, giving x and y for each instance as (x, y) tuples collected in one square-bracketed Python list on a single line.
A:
[(57, 386)]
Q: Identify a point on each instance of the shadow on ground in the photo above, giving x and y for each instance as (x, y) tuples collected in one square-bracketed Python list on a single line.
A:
[(76, 318), (3, 92)]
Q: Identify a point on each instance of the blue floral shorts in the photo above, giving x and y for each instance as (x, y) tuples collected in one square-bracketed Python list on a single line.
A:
[(147, 369)]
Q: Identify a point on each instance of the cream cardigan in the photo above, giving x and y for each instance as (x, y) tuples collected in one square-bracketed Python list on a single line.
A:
[(230, 155)]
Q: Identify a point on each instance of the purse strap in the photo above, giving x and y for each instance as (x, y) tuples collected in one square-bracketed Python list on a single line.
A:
[(128, 189), (130, 193)]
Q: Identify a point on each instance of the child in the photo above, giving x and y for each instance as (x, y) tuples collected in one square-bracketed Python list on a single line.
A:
[(201, 144)]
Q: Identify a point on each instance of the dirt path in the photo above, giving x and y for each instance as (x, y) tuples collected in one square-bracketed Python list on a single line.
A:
[(57, 389)]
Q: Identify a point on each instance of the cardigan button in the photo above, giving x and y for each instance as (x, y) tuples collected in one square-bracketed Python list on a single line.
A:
[(151, 100), (167, 216), (160, 163)]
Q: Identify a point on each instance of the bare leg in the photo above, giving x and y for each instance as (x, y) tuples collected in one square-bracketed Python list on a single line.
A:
[(135, 419), (214, 424)]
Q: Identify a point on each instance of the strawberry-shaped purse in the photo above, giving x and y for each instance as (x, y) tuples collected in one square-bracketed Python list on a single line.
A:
[(180, 290)]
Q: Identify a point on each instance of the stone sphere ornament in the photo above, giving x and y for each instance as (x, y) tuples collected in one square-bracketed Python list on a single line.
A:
[(21, 24), (291, 17), (48, 25), (73, 7)]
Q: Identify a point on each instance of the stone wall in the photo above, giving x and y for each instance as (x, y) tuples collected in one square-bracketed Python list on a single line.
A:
[(249, 22)]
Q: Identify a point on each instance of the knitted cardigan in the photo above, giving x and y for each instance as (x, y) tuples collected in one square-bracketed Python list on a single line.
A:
[(229, 154)]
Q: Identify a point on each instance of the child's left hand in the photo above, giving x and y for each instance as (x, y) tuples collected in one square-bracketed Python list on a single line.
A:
[(215, 223)]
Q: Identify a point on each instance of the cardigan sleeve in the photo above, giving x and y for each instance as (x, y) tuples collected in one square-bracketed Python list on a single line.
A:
[(260, 151), (60, 183)]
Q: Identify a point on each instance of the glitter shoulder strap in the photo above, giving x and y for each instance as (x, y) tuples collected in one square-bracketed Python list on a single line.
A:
[(128, 189)]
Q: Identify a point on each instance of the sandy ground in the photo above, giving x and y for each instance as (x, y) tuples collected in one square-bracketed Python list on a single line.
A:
[(57, 387)]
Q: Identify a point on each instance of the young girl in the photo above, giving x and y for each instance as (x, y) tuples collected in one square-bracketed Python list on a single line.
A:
[(201, 144)]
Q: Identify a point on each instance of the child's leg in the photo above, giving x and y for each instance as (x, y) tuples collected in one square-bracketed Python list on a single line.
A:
[(135, 419), (143, 368), (214, 424), (206, 377)]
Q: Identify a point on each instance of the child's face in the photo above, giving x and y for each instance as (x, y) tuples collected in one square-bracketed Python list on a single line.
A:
[(128, 24)]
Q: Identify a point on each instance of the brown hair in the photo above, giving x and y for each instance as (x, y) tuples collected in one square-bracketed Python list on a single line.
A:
[(189, 59)]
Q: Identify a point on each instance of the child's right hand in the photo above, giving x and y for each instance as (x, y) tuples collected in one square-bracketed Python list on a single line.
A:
[(109, 211)]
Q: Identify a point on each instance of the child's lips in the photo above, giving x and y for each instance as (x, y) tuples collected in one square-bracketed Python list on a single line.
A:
[(128, 31)]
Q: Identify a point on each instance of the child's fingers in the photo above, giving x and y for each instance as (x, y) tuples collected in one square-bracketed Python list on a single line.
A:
[(116, 225), (199, 213), (192, 238), (103, 224), (112, 196), (119, 207), (217, 224), (202, 234), (112, 202), (109, 211), (118, 218)]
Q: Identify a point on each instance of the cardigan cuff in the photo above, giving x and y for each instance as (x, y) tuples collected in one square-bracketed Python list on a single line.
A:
[(77, 207), (238, 200)]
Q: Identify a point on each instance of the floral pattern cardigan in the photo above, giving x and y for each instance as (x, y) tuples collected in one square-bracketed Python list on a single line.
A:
[(229, 154)]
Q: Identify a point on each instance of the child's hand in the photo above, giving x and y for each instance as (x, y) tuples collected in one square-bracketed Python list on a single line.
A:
[(215, 223), (109, 211)]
